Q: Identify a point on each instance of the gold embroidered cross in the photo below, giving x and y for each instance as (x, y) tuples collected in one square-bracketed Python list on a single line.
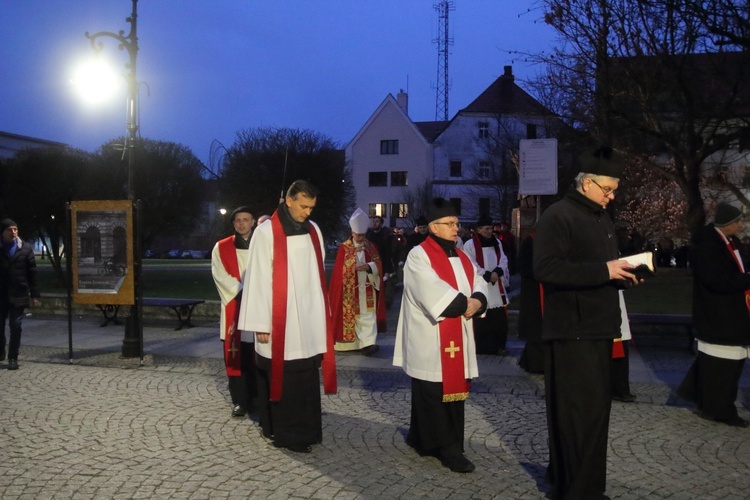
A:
[(453, 349)]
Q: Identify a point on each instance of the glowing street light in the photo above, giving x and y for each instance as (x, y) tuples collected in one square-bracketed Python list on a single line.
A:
[(132, 345)]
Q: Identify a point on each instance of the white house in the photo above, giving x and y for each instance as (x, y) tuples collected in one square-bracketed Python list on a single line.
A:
[(468, 159)]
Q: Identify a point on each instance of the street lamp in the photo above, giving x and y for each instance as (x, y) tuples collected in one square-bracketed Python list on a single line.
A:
[(132, 345)]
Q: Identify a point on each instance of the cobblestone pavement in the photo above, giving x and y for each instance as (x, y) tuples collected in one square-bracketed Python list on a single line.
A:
[(104, 427)]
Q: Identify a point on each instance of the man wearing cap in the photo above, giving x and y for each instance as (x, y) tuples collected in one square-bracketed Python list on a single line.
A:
[(17, 281), (490, 331), (721, 317), (575, 259), (285, 302), (434, 339), (228, 263), (358, 306)]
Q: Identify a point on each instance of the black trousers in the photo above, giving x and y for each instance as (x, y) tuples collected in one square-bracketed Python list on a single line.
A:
[(712, 384), (296, 418), (243, 388), (491, 332), (436, 427), (577, 392), (621, 372), (14, 316)]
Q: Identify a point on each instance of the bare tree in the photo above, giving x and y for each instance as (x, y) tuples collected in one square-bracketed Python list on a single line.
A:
[(650, 79)]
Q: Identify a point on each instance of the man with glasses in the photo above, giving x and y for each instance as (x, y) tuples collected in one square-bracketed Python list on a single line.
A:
[(575, 259), (434, 338)]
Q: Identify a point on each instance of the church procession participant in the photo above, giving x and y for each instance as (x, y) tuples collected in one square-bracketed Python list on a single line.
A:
[(285, 302), (434, 338), (576, 260), (228, 262), (721, 317), (491, 331), (356, 291)]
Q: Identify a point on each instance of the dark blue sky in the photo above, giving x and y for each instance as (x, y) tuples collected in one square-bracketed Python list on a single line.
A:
[(216, 67)]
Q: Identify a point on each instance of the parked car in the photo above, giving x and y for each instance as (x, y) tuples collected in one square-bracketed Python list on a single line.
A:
[(192, 254), (171, 254)]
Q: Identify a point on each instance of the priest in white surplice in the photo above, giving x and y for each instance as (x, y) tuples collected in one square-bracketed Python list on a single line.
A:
[(228, 262), (434, 339), (490, 332), (285, 302)]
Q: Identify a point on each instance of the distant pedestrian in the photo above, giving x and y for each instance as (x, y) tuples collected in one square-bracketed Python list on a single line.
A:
[(530, 310), (19, 287), (721, 317), (228, 263)]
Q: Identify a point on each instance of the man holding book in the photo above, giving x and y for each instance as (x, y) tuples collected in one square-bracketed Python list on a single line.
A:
[(576, 260)]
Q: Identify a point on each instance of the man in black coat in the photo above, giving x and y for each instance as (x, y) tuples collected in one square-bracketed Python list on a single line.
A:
[(575, 258), (17, 282), (721, 318)]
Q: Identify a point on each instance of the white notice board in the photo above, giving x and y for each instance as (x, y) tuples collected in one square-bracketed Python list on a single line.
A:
[(538, 170)]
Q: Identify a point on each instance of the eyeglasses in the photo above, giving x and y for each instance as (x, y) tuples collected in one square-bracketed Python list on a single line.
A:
[(605, 191), (449, 224)]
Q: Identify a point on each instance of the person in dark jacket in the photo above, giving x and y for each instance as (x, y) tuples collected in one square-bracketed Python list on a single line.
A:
[(17, 282), (530, 311), (575, 259), (721, 318)]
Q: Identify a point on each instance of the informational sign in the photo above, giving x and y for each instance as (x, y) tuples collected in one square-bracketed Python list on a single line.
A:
[(102, 252), (538, 167)]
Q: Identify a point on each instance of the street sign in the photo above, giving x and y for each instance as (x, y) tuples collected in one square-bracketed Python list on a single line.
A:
[(538, 167)]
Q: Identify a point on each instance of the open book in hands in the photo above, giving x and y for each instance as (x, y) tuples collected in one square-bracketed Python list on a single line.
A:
[(643, 265)]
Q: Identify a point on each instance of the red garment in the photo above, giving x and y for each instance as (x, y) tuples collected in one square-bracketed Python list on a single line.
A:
[(232, 337), (345, 292), (455, 385), (278, 322)]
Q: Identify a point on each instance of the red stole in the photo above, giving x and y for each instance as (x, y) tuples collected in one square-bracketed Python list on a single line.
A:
[(730, 247), (455, 385), (278, 313), (232, 337), (344, 291), (480, 260)]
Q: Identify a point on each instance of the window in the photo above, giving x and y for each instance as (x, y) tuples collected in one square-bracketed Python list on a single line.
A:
[(484, 170), (377, 209), (399, 178), (455, 169), (484, 130), (530, 131), (378, 179), (457, 205), (484, 206), (389, 147), (399, 210)]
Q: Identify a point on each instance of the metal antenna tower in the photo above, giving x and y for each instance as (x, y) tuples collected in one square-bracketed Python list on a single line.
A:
[(443, 41)]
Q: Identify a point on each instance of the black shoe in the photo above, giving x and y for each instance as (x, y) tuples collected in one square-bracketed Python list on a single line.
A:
[(627, 398), (457, 463), (370, 350), (238, 411), (12, 364), (735, 422), (296, 448)]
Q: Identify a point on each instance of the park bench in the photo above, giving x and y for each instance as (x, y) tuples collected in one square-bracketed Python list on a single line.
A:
[(183, 308), (664, 320)]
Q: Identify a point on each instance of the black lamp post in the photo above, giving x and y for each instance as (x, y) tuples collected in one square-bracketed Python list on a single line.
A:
[(132, 344)]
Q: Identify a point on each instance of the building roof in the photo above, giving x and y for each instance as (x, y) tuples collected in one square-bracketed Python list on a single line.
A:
[(504, 97), (430, 130)]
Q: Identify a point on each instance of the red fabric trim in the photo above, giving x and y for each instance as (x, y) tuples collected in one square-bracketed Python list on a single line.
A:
[(730, 247), (279, 310), (455, 385), (232, 337), (618, 350)]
